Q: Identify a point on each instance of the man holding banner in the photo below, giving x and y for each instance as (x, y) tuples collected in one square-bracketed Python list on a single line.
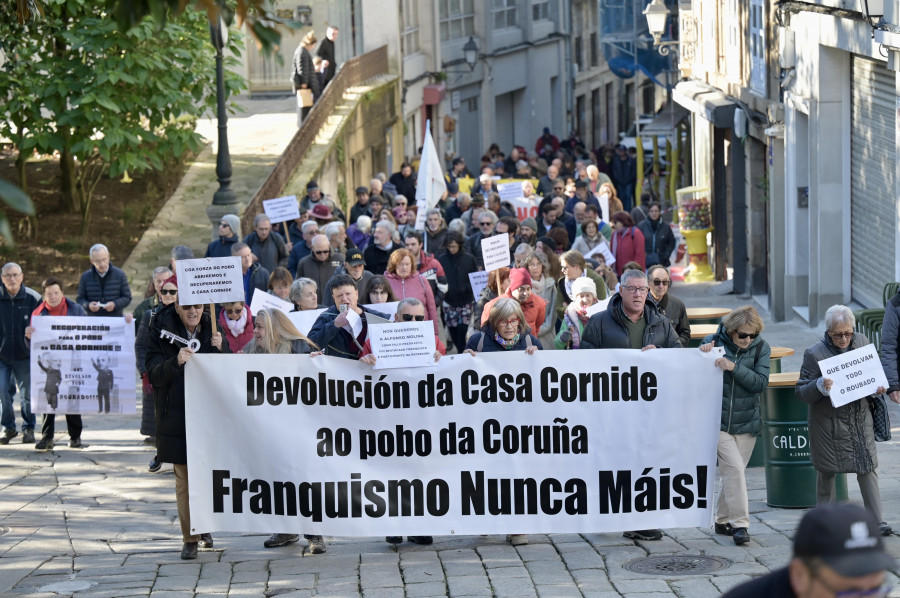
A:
[(177, 332), (342, 329)]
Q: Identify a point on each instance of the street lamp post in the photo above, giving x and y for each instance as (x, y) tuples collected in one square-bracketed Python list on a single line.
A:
[(657, 14)]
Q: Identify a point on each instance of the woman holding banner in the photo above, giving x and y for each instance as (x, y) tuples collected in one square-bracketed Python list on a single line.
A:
[(746, 367), (841, 439), (506, 330)]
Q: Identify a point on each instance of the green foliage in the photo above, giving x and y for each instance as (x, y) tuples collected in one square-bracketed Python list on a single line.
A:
[(17, 200), (109, 101)]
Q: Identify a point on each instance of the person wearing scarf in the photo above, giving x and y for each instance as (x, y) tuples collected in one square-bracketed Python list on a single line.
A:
[(237, 322), (533, 306), (584, 293)]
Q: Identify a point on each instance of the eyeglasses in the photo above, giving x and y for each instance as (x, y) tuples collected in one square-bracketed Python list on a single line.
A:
[(635, 290), (837, 335), (664, 283), (410, 318), (746, 335), (326, 252), (224, 225), (512, 322), (172, 292), (485, 223), (234, 311)]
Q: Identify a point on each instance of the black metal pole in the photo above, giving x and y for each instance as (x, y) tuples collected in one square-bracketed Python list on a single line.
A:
[(225, 194)]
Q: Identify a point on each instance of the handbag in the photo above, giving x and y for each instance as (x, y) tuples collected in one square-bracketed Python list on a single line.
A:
[(881, 419), (304, 98)]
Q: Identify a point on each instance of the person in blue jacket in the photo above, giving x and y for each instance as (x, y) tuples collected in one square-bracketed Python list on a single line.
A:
[(103, 290)]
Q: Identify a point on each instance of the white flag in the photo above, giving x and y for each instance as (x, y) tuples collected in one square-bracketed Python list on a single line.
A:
[(430, 185)]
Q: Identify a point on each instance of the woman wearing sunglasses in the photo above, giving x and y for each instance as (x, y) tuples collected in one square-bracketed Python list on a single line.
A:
[(746, 367), (841, 439), (236, 322)]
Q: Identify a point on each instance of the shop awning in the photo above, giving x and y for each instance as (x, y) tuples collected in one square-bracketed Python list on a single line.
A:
[(665, 122), (707, 101)]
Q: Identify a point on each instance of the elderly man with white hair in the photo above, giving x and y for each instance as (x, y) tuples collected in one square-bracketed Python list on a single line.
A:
[(337, 236), (103, 290), (841, 439), (17, 302), (380, 248)]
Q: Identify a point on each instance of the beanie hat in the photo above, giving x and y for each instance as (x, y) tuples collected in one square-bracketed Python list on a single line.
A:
[(518, 277), (530, 223), (234, 223), (583, 284)]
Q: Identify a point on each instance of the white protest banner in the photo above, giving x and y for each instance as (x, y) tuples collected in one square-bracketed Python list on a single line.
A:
[(281, 209), (599, 306), (82, 364), (512, 193), (430, 183), (402, 345), (603, 198), (856, 374), (262, 300), (478, 280), (388, 309), (495, 252), (602, 248), (493, 444), (209, 280), (304, 320)]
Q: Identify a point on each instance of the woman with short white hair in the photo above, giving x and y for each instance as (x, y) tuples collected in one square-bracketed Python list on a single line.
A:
[(841, 439)]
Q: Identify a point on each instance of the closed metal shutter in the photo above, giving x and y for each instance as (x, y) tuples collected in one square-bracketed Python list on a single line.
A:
[(872, 161)]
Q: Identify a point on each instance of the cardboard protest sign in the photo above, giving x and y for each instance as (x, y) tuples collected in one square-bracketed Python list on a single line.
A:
[(603, 249), (262, 300), (478, 280), (209, 280)]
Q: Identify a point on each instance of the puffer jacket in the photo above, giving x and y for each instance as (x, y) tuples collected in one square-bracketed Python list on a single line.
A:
[(607, 329), (674, 309), (112, 287), (841, 439), (167, 378), (741, 389), (890, 356), (334, 341), (415, 287), (15, 315)]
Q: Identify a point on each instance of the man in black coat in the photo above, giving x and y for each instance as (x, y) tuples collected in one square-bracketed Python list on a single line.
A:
[(17, 302), (331, 330), (165, 368), (379, 250), (103, 290), (326, 52)]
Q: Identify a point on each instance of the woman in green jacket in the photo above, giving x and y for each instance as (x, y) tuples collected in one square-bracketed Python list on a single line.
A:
[(746, 376)]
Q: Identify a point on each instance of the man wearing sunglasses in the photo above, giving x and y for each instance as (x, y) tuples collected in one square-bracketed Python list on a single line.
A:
[(838, 552), (320, 265)]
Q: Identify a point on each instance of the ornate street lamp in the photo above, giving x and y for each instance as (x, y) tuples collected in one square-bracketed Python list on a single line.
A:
[(657, 14), (225, 195), (470, 53)]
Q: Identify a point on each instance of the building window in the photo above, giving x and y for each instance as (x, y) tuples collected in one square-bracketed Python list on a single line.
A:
[(504, 13), (757, 39), (595, 54), (579, 54), (410, 36), (472, 104), (457, 19), (540, 10)]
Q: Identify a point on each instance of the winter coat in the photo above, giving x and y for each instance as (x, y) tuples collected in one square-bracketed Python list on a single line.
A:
[(661, 242), (326, 52), (377, 258), (236, 343), (112, 287), (271, 253), (628, 246), (321, 272), (335, 341), (167, 378), (457, 268), (259, 279), (151, 302), (550, 294), (15, 316), (433, 271), (565, 300), (890, 329), (674, 309), (417, 287), (607, 329), (304, 71), (485, 338), (435, 240), (584, 245), (221, 247), (841, 439), (535, 310), (742, 388)]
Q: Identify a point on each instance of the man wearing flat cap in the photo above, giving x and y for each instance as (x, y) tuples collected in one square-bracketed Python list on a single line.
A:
[(838, 551)]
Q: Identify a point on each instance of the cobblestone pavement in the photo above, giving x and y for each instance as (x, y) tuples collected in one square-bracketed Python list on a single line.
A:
[(94, 522)]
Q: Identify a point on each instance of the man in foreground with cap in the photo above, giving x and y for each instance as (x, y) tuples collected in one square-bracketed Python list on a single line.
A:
[(838, 551)]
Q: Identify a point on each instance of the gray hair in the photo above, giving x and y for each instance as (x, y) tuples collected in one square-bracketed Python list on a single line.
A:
[(97, 247), (182, 252), (524, 252), (838, 314), (411, 301), (237, 247), (9, 266), (457, 225), (432, 212), (307, 226), (387, 225), (161, 270), (259, 218), (490, 215), (298, 286), (364, 223), (333, 228), (628, 275)]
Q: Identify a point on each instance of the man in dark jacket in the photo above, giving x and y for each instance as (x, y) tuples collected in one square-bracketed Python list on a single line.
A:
[(405, 182), (103, 290), (659, 241), (268, 247), (16, 304), (255, 276), (379, 250), (326, 52), (624, 175), (629, 322), (332, 329), (165, 368), (229, 234), (320, 265)]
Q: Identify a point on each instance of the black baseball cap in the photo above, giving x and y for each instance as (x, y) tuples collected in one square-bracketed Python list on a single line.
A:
[(355, 257), (845, 537)]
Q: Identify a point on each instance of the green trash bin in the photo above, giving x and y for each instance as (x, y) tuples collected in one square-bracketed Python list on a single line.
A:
[(790, 476), (775, 360)]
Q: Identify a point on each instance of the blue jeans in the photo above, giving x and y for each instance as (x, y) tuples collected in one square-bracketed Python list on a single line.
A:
[(16, 372)]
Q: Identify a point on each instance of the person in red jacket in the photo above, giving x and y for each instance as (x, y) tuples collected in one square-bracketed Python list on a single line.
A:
[(627, 242), (533, 306), (236, 322)]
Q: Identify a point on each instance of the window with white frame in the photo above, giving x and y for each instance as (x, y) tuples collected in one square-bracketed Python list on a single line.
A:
[(540, 10), (410, 35), (732, 26), (504, 13), (457, 19), (757, 43)]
